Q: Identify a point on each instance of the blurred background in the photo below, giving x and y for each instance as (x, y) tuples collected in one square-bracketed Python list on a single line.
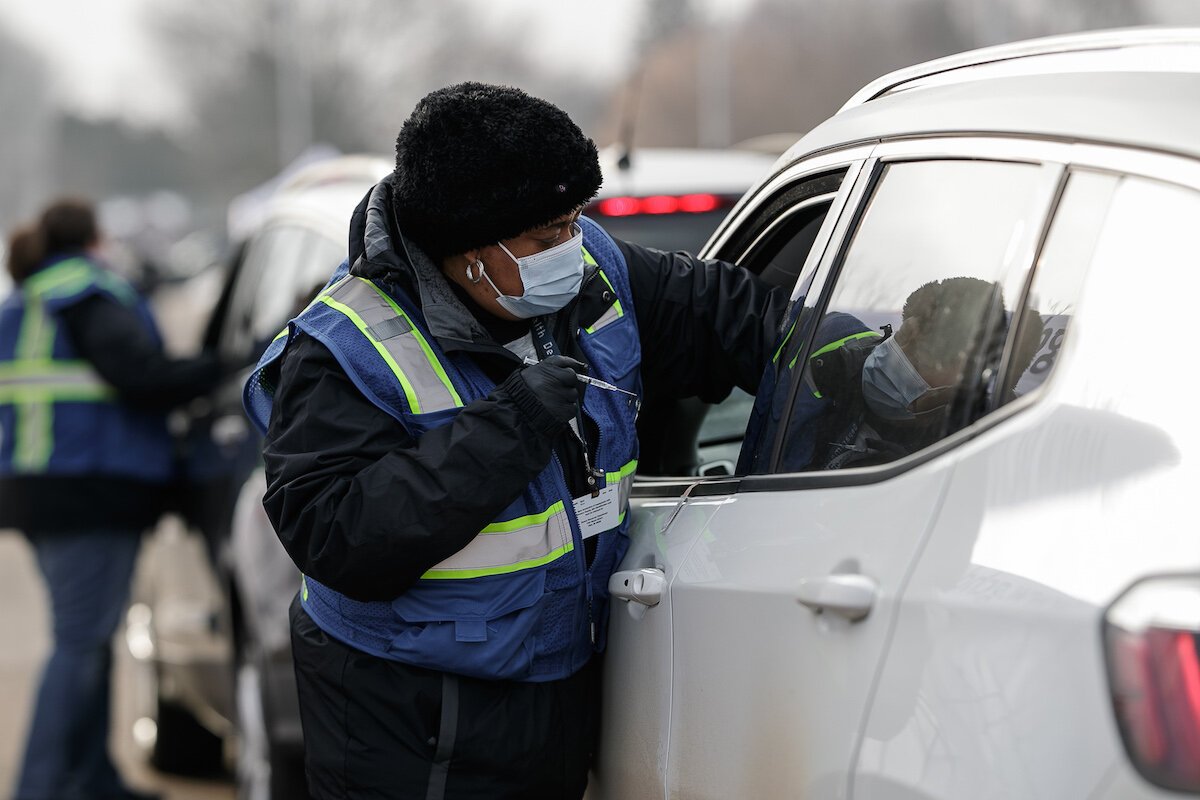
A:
[(180, 118), (167, 109)]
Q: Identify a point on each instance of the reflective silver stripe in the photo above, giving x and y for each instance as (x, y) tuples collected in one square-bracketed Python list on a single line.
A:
[(20, 379), (504, 547), (614, 311), (625, 486), (611, 315), (386, 325), (624, 489)]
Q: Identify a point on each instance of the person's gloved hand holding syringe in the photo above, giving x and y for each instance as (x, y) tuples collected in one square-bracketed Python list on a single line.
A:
[(590, 381)]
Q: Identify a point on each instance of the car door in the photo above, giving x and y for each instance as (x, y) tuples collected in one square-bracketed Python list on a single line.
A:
[(669, 513), (783, 608), (995, 683)]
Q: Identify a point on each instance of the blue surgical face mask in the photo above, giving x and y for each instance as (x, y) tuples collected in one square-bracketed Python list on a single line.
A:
[(551, 278), (890, 383)]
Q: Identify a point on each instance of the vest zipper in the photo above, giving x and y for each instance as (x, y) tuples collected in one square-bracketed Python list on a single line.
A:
[(599, 474), (577, 541)]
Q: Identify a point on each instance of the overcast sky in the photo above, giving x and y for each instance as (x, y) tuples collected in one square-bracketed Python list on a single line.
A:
[(101, 60), (104, 65)]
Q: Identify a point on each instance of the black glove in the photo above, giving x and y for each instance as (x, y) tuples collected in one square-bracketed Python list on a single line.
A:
[(553, 381)]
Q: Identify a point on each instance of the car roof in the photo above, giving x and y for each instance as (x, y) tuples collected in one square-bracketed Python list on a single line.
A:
[(325, 194), (667, 170), (1127, 87)]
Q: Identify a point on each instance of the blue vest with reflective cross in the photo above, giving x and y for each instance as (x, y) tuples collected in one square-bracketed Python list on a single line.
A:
[(519, 601), (57, 416)]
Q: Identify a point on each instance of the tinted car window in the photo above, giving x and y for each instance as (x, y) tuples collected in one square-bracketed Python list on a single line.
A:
[(1058, 276), (282, 269), (274, 253), (684, 437), (907, 347), (299, 268), (779, 260)]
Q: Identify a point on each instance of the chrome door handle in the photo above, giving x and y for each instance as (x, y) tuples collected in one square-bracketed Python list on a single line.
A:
[(643, 586), (850, 595)]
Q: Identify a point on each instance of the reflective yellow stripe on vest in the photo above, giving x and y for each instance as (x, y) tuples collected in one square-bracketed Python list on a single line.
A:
[(614, 311), (62, 381), (510, 546), (74, 275), (34, 437), (63, 278), (524, 542), (388, 328)]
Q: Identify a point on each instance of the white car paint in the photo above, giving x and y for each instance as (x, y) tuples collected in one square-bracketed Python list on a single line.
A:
[(980, 668)]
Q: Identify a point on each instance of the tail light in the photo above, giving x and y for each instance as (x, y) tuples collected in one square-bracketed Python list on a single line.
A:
[(660, 204), (1152, 643)]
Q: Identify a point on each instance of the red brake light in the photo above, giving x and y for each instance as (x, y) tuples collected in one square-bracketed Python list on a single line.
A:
[(660, 204), (698, 203), (1152, 638), (618, 206)]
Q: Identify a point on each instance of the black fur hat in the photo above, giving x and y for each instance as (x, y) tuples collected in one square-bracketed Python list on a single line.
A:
[(477, 163)]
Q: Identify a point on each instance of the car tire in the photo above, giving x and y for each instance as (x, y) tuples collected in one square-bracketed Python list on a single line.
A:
[(182, 745), (265, 771)]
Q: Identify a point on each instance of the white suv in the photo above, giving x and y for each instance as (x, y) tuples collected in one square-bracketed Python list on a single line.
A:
[(960, 556)]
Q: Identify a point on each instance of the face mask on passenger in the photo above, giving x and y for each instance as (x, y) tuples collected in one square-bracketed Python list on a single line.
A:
[(890, 383), (551, 278)]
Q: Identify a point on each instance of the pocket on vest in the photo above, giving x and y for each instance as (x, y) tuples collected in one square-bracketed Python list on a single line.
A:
[(478, 626), (616, 344)]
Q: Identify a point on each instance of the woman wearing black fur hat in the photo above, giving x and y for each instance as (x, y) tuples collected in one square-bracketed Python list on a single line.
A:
[(451, 489)]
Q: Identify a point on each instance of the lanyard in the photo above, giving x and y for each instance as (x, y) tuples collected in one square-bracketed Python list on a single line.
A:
[(543, 340), (544, 344)]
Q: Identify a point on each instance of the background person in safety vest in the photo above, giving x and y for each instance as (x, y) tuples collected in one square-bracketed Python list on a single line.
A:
[(457, 513), (84, 456)]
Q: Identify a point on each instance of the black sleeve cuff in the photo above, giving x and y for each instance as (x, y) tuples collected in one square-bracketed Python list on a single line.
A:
[(531, 408)]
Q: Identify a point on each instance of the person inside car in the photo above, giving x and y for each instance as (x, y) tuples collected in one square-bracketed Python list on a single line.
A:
[(451, 489), (890, 395)]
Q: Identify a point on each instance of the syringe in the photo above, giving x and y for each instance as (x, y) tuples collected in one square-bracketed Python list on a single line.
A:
[(590, 381)]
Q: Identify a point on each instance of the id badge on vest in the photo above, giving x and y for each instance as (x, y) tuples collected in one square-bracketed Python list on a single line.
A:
[(600, 513)]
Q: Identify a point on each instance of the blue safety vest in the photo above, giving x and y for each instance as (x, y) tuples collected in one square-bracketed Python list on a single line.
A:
[(57, 416), (518, 602)]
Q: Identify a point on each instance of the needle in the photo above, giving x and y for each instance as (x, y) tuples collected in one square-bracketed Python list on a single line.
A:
[(590, 381)]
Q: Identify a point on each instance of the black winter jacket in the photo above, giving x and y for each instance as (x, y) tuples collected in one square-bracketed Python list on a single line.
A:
[(366, 510)]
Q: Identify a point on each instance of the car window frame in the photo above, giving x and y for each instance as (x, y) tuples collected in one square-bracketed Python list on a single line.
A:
[(1055, 171), (1118, 159), (722, 245), (246, 280)]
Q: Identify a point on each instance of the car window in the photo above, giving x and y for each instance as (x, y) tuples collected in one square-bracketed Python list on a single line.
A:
[(272, 252), (778, 259), (689, 436), (282, 269), (1057, 280), (906, 348), (299, 269), (1141, 283)]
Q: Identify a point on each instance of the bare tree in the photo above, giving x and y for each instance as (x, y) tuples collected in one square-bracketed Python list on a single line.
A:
[(267, 77)]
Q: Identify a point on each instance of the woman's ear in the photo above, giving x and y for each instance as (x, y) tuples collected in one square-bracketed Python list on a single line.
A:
[(454, 265)]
